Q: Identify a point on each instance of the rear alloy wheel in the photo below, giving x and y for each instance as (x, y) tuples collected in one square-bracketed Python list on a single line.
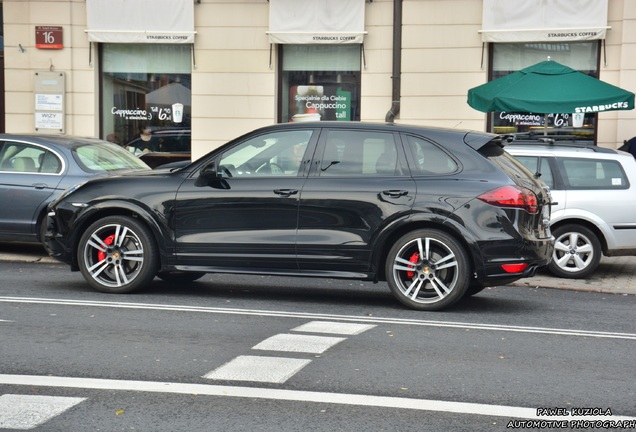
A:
[(117, 254), (427, 270), (577, 252)]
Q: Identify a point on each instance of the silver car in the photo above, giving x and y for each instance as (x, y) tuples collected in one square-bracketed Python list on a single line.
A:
[(594, 190)]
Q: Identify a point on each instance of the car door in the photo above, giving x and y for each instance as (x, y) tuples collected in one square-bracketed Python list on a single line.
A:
[(29, 174), (599, 190), (246, 218), (545, 168), (357, 185)]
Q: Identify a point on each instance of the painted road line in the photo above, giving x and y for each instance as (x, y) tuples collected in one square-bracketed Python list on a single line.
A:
[(258, 369), (329, 327), (286, 395), (319, 316), (298, 343), (279, 369), (24, 412)]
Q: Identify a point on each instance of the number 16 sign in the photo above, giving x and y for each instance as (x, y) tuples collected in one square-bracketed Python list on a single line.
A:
[(49, 37)]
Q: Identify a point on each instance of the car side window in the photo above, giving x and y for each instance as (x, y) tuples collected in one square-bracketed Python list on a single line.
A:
[(172, 143), (359, 153), (593, 174), (24, 158), (274, 154), (538, 165), (430, 159)]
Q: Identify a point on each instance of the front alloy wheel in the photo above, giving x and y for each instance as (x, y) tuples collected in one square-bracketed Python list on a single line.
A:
[(117, 254), (427, 270)]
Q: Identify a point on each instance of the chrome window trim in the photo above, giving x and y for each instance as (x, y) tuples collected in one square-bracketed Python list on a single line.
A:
[(55, 152)]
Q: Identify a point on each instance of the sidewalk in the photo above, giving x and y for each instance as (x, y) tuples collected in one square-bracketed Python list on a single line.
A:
[(616, 275)]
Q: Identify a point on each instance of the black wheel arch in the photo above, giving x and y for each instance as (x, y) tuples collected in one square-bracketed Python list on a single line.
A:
[(123, 208), (399, 228)]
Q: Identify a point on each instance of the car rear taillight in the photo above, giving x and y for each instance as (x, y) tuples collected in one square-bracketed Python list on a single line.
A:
[(512, 197)]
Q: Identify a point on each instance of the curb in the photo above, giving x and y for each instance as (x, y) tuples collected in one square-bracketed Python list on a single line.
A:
[(27, 259)]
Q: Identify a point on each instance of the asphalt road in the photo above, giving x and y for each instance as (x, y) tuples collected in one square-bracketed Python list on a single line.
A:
[(237, 353)]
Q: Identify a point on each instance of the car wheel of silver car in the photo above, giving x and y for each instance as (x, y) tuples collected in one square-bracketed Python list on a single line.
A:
[(577, 252), (117, 254), (427, 270)]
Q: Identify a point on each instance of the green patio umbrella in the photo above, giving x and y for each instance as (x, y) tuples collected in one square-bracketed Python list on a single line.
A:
[(549, 87)]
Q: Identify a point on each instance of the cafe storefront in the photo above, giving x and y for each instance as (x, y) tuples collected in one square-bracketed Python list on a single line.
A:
[(144, 50), (319, 47), (216, 69), (521, 34)]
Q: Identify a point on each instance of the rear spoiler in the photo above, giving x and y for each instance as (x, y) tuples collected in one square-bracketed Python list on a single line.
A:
[(477, 140)]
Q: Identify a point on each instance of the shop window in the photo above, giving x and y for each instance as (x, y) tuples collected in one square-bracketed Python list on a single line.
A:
[(511, 57), (145, 86), (320, 82)]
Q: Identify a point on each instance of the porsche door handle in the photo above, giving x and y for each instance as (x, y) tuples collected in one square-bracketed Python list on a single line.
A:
[(395, 193), (285, 192)]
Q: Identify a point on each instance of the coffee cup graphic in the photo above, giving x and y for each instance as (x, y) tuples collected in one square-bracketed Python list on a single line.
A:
[(177, 112), (577, 119), (296, 118)]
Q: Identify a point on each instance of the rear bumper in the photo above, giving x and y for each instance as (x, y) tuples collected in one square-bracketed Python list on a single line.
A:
[(533, 254)]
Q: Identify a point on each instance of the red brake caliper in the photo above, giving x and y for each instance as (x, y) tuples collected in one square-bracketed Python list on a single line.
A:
[(101, 256), (414, 259)]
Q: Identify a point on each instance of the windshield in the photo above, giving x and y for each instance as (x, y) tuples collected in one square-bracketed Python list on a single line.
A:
[(106, 157)]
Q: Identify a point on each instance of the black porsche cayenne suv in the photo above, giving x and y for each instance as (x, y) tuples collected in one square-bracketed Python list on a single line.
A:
[(437, 213)]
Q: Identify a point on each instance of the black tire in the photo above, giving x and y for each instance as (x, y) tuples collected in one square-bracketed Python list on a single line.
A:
[(577, 252), (117, 254), (180, 277), (427, 270), (42, 228)]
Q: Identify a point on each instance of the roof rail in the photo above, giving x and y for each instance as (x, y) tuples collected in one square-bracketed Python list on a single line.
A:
[(550, 142)]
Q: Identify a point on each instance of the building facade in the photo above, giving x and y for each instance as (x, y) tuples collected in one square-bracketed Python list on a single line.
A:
[(220, 68)]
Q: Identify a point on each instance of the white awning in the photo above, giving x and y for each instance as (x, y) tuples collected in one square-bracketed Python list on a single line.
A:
[(316, 22), (543, 20), (140, 21)]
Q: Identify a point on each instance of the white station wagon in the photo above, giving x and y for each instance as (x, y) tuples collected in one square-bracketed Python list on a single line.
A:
[(594, 190)]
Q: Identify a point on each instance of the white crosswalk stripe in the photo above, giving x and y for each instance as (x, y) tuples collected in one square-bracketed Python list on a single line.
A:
[(298, 343), (329, 327), (23, 412), (280, 369), (258, 369)]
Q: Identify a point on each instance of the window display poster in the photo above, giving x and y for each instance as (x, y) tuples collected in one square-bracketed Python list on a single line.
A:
[(313, 102)]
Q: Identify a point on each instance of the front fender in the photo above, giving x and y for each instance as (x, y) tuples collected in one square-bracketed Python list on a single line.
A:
[(157, 221)]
